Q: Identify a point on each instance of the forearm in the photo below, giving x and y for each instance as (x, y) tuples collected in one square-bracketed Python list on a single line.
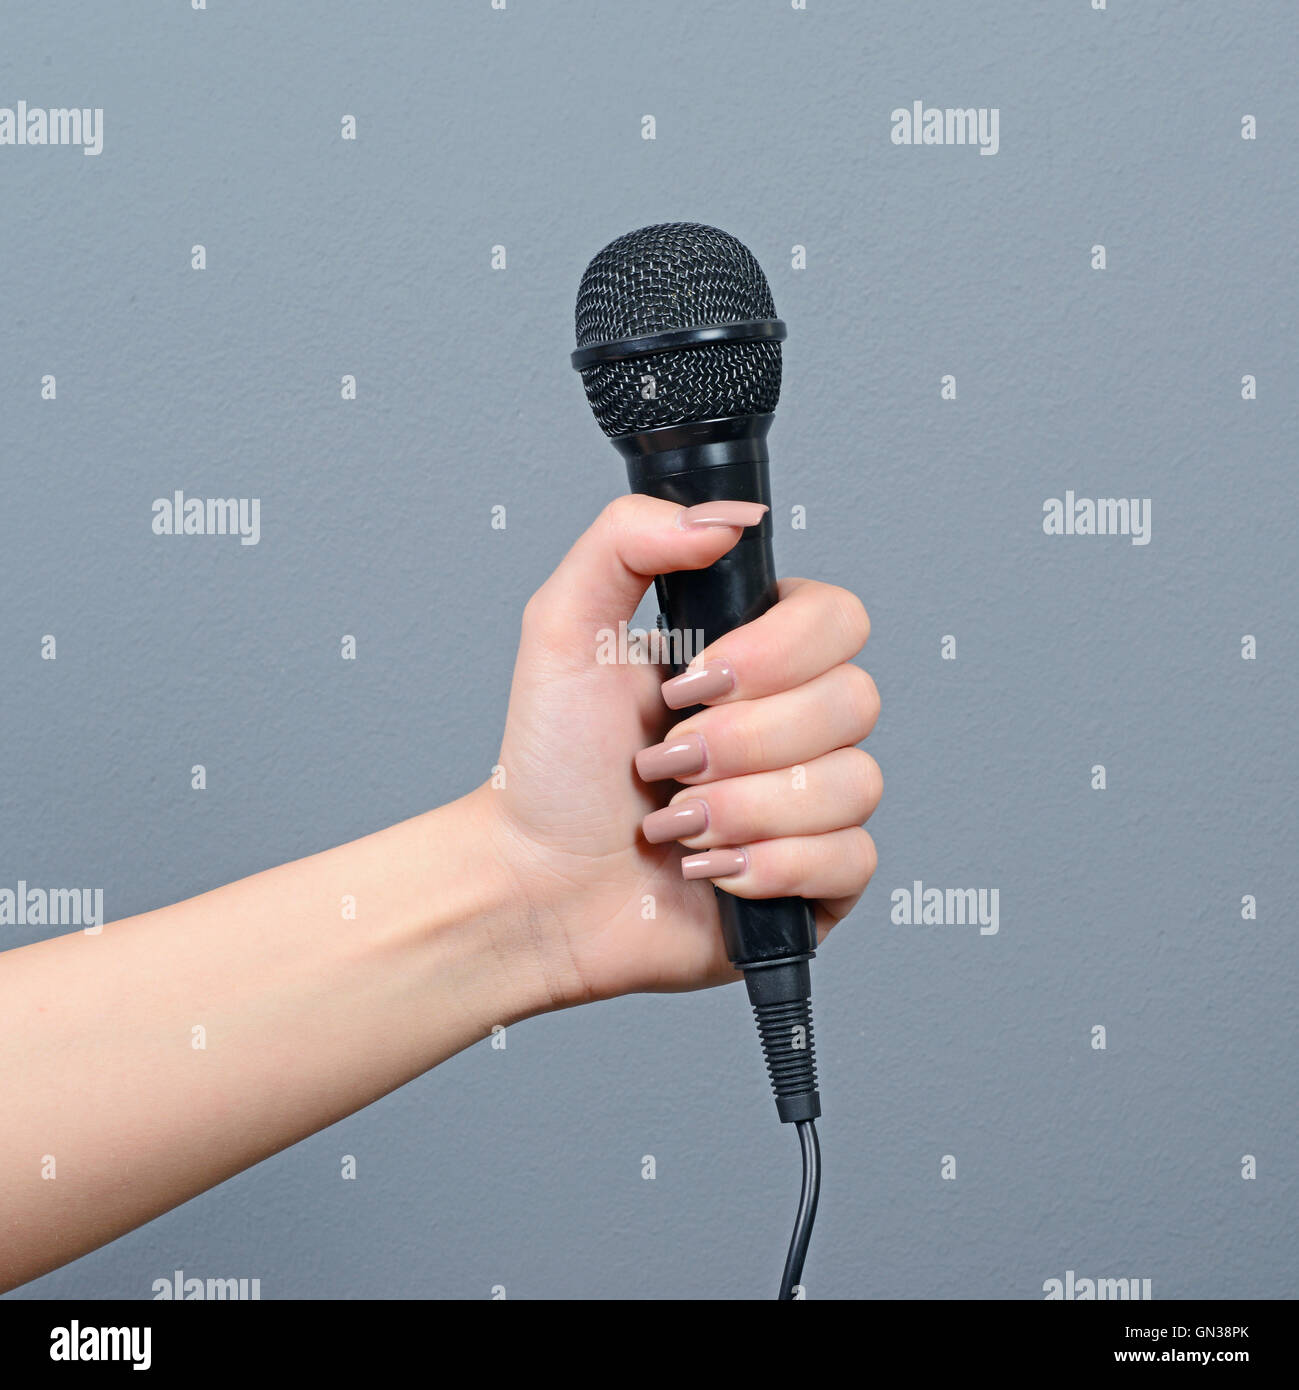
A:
[(147, 1063)]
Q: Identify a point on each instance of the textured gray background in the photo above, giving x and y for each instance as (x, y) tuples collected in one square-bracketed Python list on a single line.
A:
[(1120, 907)]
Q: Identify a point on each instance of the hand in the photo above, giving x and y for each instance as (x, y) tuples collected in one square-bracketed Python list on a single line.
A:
[(774, 790), (545, 892)]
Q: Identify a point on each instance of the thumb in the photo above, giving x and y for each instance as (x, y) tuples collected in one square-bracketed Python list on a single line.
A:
[(604, 576)]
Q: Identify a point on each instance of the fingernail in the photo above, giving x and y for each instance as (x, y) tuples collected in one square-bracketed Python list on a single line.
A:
[(714, 863), (680, 757), (676, 822), (721, 514), (692, 687)]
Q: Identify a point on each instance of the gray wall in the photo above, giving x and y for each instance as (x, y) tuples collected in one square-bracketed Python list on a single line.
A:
[(1119, 908)]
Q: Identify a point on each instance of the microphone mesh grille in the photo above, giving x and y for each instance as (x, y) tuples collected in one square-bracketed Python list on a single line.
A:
[(676, 275)]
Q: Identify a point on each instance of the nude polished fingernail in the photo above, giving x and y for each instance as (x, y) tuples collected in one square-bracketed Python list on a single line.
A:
[(721, 514), (693, 687), (714, 863), (678, 757), (676, 822)]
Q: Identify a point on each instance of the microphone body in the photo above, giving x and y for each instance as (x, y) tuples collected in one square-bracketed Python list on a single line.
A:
[(678, 345), (771, 939)]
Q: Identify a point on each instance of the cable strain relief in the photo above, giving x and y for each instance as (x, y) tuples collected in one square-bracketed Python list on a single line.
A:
[(781, 995)]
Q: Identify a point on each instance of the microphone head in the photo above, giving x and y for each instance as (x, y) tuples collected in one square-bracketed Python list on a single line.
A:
[(661, 279)]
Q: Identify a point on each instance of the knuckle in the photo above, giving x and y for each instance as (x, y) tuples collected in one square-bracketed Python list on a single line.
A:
[(870, 700), (864, 856), (866, 783), (619, 514), (745, 743), (821, 861), (806, 861), (798, 862), (534, 612), (865, 699), (852, 617)]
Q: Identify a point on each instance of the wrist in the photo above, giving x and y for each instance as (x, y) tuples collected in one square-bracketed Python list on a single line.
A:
[(532, 906), (488, 917)]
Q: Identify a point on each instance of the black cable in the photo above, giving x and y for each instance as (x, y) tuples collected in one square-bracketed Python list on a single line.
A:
[(781, 994), (806, 1209)]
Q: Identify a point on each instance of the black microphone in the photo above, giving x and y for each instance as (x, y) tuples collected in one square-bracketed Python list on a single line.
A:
[(678, 345)]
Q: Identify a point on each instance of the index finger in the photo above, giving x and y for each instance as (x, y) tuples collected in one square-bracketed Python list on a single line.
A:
[(813, 628)]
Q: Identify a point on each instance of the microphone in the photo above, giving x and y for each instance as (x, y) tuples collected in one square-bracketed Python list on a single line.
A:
[(678, 345)]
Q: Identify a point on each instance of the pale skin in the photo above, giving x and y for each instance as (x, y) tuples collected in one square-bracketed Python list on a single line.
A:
[(507, 903)]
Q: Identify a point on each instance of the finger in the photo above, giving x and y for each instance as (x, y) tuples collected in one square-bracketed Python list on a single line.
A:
[(830, 913), (604, 576), (835, 710), (838, 789), (812, 628), (835, 865)]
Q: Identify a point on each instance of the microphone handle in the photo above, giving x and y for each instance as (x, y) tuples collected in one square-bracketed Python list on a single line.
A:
[(706, 461)]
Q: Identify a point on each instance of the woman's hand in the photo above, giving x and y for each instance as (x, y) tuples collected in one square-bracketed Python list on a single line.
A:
[(184, 1044), (181, 1045), (775, 790)]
